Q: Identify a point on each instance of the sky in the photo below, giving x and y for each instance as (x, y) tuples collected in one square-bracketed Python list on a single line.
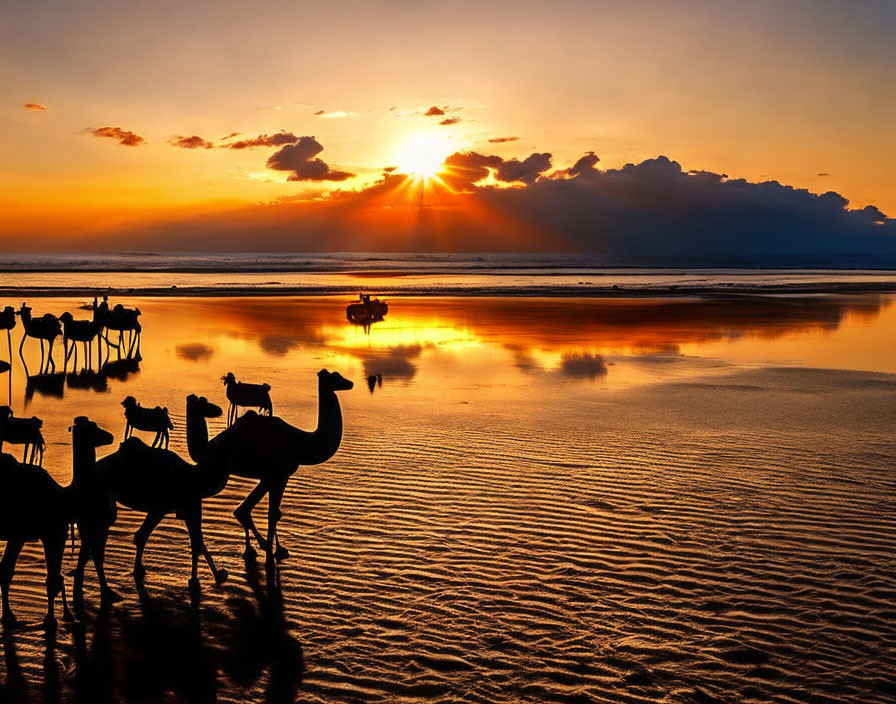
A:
[(289, 125)]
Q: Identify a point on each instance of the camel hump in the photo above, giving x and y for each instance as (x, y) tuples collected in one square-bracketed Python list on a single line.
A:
[(266, 387)]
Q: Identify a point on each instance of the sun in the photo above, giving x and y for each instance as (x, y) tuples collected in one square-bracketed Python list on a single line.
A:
[(422, 155)]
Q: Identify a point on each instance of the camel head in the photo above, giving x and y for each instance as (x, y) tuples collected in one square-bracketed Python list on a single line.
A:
[(228, 379), (202, 406), (129, 402), (334, 381), (85, 430), (4, 366), (5, 412)]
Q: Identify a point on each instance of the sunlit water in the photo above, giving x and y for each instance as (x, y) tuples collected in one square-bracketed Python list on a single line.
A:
[(559, 500)]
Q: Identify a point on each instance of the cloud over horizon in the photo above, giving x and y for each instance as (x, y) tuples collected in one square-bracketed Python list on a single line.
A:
[(192, 142), (301, 158), (649, 213), (35, 107), (264, 140), (125, 137)]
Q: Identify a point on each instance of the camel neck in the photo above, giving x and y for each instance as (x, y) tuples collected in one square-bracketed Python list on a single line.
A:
[(83, 463), (197, 436), (328, 435)]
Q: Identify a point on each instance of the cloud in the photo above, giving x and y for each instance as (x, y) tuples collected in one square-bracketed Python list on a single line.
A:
[(585, 165), (652, 213), (335, 114), (450, 121), (300, 158), (464, 169), (192, 142), (501, 140), (125, 137), (434, 111), (822, 173), (264, 140), (527, 170), (35, 107)]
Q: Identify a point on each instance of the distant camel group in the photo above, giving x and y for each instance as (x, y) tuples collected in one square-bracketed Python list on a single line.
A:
[(47, 328), (156, 482)]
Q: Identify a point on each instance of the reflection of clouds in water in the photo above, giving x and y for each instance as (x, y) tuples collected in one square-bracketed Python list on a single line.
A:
[(584, 366), (278, 345), (195, 351), (394, 362)]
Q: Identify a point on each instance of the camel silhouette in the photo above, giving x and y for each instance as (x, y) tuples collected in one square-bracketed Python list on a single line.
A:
[(120, 319), (47, 327), (248, 395), (4, 368), (270, 450), (34, 507), (155, 420), (83, 331), (8, 322), (151, 480), (22, 431)]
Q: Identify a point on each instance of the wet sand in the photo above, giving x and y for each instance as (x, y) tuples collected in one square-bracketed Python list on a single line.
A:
[(549, 500)]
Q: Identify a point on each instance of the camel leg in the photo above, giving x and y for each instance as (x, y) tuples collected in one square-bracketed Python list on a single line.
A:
[(243, 514), (93, 545), (21, 345), (198, 547), (275, 496), (54, 546), (7, 568), (141, 537), (107, 595)]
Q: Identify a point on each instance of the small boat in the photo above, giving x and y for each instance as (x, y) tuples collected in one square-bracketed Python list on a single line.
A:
[(366, 310)]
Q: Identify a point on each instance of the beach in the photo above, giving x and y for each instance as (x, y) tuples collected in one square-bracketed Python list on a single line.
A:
[(648, 498)]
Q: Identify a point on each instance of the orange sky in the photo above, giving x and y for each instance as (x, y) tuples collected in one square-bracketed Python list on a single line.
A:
[(796, 92)]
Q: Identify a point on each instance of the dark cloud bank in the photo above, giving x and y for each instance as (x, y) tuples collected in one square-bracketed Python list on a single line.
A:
[(651, 213)]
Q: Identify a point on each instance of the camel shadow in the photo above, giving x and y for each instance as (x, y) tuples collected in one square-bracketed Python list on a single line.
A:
[(49, 385), (121, 369), (171, 647), (88, 380)]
